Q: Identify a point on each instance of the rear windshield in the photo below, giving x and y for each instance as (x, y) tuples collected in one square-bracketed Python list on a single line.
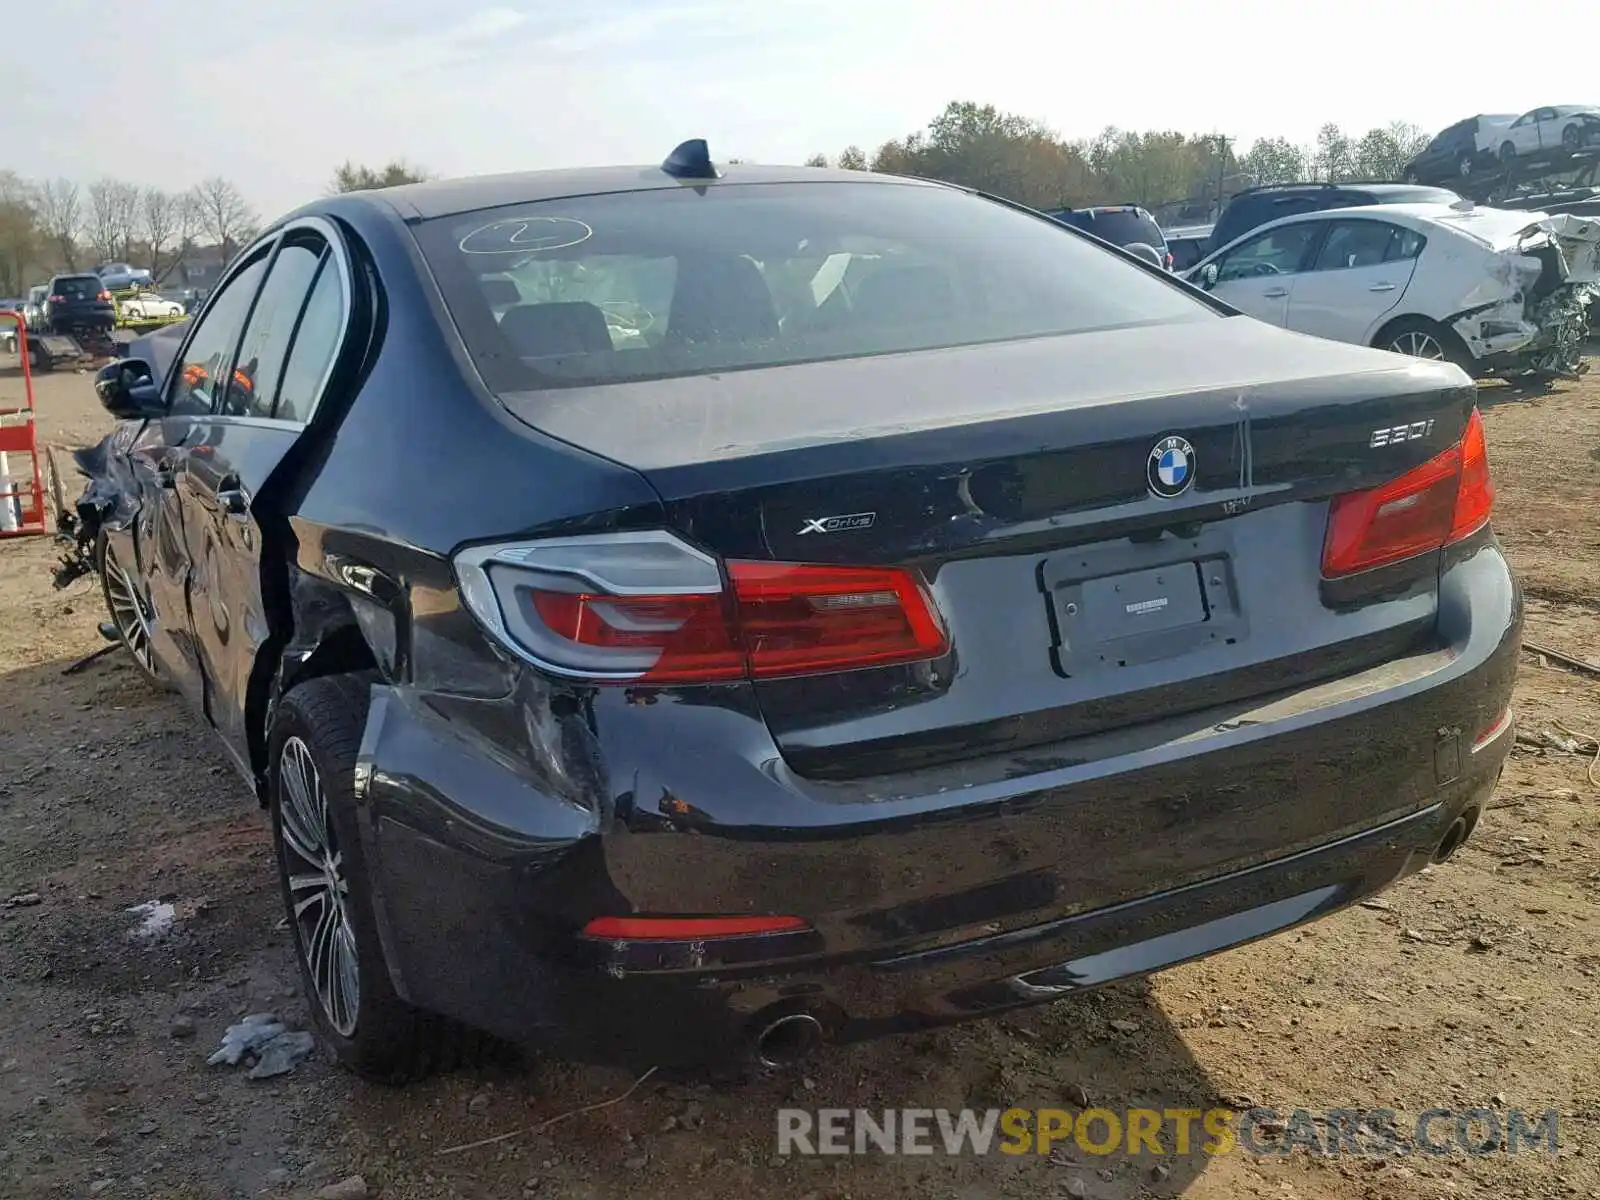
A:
[(79, 287), (638, 285), (1418, 195), (1122, 227)]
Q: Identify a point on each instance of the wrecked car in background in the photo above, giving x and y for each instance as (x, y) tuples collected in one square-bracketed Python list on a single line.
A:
[(1494, 291), (801, 657)]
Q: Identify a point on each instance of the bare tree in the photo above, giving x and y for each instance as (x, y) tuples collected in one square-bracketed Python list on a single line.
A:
[(61, 218), (113, 218), (165, 220), (222, 214)]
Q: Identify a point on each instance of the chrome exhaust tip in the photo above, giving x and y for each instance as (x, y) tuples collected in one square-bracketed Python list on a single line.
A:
[(1455, 836), (788, 1040)]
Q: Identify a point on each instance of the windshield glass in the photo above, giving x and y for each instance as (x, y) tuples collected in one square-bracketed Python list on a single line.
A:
[(637, 285)]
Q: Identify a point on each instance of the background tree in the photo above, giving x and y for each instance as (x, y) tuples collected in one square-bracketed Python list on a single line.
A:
[(111, 220), (1274, 160), (20, 237), (222, 214), (852, 158), (816, 160), (355, 177), (166, 222), (60, 210)]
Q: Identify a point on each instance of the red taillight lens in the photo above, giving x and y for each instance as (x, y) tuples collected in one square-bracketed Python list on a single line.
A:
[(1442, 501), (781, 619), (796, 619), (684, 929), (688, 637), (58, 299), (1475, 498), (103, 296)]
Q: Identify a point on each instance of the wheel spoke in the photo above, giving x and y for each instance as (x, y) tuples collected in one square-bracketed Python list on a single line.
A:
[(321, 952), (326, 939), (133, 625)]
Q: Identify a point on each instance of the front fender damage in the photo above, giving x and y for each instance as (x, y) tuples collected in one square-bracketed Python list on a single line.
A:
[(105, 502)]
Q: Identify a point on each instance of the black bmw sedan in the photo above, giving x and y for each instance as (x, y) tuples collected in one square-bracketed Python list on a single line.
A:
[(676, 612)]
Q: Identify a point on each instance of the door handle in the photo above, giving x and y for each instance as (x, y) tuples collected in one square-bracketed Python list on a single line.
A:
[(1276, 293), (1381, 287), (234, 502)]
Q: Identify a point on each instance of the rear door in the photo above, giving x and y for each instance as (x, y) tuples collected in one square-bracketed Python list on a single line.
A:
[(274, 383), (1257, 276), (1360, 272), (159, 457)]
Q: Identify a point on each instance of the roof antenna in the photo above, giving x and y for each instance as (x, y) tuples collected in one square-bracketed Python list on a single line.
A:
[(691, 160)]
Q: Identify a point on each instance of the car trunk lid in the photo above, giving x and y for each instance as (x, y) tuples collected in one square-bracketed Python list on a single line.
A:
[(1102, 554)]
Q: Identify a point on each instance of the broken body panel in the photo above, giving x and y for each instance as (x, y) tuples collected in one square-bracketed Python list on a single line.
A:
[(1531, 311)]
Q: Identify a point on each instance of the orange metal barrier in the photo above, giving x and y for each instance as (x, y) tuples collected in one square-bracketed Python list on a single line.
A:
[(22, 506)]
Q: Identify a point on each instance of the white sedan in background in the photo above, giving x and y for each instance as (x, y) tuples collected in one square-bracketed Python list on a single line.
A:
[(147, 306), (1489, 289)]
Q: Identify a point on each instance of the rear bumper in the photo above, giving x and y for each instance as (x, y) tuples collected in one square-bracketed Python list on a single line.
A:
[(931, 903)]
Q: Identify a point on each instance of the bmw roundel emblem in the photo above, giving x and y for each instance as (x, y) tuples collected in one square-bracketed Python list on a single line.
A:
[(1170, 467)]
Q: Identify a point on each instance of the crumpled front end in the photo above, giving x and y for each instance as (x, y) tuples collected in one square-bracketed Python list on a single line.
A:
[(1532, 313)]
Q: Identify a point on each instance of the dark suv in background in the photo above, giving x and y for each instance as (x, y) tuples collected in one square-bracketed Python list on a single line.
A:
[(1119, 224), (1257, 206), (78, 303)]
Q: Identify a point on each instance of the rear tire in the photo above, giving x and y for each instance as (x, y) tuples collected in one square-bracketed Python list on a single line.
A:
[(1419, 337), (321, 870), (1572, 138), (1508, 152)]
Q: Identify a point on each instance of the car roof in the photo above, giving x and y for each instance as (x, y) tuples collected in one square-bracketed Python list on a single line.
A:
[(447, 197), (1480, 222)]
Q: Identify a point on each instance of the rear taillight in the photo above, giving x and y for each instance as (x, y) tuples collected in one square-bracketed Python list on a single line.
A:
[(103, 297), (1169, 262), (683, 929), (647, 608), (1447, 498), (58, 300)]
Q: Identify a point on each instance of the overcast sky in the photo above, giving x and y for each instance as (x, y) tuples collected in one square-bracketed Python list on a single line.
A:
[(275, 94)]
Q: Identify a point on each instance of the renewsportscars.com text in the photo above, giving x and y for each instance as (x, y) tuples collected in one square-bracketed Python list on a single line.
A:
[(1181, 1131)]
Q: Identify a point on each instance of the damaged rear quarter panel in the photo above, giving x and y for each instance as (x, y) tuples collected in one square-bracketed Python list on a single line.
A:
[(1532, 299)]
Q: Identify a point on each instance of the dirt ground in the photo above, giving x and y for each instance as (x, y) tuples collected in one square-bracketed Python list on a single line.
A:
[(1473, 984)]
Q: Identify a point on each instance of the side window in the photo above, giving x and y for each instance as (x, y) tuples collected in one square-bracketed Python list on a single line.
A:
[(1354, 244), (1547, 114), (1523, 120), (210, 350), (1276, 252), (316, 341), (1404, 244), (266, 336)]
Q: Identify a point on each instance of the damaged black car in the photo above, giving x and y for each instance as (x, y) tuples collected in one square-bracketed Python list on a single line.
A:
[(678, 613)]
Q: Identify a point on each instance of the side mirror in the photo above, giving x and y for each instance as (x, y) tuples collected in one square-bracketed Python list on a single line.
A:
[(127, 391), (1208, 276)]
